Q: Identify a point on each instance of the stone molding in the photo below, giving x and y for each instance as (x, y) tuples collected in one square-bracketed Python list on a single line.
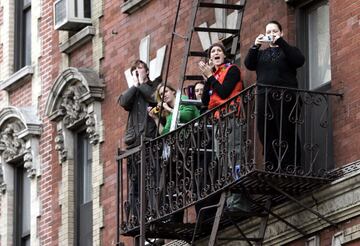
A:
[(130, 6), (11, 146), (18, 127), (82, 85), (15, 79), (77, 40)]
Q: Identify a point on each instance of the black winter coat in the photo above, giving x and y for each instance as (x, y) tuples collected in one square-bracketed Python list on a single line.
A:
[(135, 100)]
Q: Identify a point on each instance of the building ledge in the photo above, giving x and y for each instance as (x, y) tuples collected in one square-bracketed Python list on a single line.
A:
[(16, 79), (130, 6), (78, 40)]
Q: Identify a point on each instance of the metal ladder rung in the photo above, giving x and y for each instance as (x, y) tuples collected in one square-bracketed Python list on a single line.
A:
[(193, 77), (221, 5), (190, 102), (218, 30), (198, 53)]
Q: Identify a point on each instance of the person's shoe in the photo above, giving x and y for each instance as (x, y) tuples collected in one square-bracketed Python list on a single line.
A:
[(238, 203)]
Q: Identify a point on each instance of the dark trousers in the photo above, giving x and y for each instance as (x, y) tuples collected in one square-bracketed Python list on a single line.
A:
[(276, 124)]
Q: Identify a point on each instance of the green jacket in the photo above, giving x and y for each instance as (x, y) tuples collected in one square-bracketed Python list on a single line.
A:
[(187, 113)]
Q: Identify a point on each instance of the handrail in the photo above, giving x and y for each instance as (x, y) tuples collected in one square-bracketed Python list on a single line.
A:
[(178, 173)]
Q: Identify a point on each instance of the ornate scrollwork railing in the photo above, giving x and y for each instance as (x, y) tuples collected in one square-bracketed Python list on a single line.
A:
[(272, 129)]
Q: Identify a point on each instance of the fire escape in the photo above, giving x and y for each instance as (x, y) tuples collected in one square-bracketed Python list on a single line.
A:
[(197, 165)]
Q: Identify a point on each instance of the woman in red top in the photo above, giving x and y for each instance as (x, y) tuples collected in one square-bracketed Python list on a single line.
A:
[(223, 81)]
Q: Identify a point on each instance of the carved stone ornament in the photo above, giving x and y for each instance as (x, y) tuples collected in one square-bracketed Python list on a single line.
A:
[(60, 147), (71, 106), (11, 145), (2, 181), (28, 164), (91, 129)]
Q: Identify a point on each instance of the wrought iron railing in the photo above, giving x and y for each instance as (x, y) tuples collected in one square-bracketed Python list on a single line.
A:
[(267, 128)]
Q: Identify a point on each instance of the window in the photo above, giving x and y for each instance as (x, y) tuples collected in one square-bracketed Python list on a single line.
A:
[(22, 50), (316, 44), (130, 6), (314, 39), (83, 189), (22, 207)]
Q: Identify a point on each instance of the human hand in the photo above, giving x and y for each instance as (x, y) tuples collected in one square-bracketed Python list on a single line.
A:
[(152, 113), (135, 76), (276, 37), (205, 69), (166, 107), (258, 40), (142, 78)]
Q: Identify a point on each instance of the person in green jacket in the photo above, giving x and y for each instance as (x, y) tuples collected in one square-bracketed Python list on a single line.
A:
[(168, 95)]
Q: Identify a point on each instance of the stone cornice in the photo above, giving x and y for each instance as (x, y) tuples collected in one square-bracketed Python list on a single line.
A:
[(86, 87)]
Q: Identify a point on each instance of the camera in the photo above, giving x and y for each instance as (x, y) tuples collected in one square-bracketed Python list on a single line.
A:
[(267, 39), (155, 110)]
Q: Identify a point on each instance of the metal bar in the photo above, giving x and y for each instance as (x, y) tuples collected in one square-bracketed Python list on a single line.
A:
[(299, 90), (198, 221), (278, 217), (215, 228), (129, 152), (118, 190), (193, 77), (198, 53), (300, 204), (244, 237), (263, 223), (219, 30), (221, 6), (238, 27), (170, 52), (142, 194)]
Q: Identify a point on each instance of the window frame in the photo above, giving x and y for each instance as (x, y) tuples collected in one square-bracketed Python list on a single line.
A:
[(81, 137), (302, 10), (19, 235), (20, 41)]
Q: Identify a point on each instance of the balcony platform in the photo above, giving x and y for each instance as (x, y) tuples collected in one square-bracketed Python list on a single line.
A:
[(258, 186)]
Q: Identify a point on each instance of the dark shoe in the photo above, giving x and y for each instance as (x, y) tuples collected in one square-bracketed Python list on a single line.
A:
[(238, 203)]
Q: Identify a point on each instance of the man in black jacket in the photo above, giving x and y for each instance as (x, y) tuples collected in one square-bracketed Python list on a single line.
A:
[(136, 100)]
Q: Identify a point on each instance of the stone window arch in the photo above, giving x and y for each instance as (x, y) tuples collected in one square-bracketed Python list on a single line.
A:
[(74, 103), (20, 130)]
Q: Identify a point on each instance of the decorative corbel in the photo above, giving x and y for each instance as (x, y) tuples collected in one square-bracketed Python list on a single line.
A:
[(28, 164), (91, 129), (60, 147), (2, 181)]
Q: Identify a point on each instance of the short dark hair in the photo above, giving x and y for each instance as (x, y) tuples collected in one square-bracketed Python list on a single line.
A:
[(199, 82), (276, 23), (220, 45), (138, 62)]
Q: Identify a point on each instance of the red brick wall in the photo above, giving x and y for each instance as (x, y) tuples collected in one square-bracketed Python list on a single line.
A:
[(21, 97), (345, 34), (82, 56), (49, 221), (122, 34)]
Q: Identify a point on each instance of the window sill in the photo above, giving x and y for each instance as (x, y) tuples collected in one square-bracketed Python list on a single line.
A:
[(131, 6), (78, 40), (15, 80)]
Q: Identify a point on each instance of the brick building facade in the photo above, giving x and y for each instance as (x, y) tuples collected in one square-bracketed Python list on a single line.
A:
[(58, 98)]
